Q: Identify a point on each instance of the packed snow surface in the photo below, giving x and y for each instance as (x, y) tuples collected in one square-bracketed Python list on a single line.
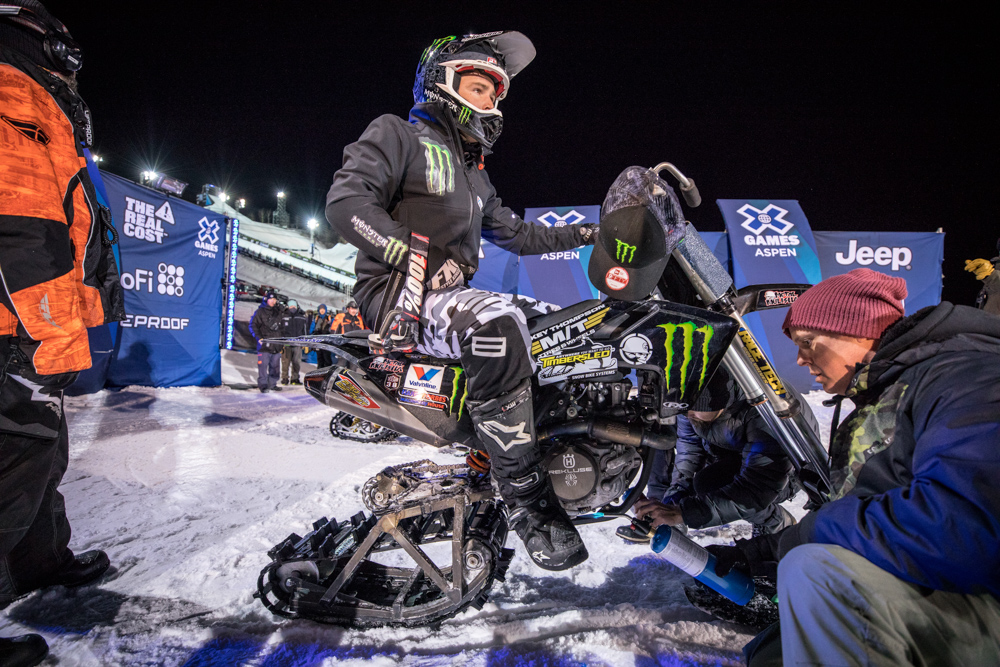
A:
[(187, 489)]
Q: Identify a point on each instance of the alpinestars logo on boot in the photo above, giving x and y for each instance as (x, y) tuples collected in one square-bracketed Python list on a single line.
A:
[(514, 435)]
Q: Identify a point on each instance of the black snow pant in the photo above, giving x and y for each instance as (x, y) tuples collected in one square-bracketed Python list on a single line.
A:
[(268, 369), (34, 453)]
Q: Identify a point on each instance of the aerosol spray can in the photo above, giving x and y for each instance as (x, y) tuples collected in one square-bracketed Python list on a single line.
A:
[(672, 545)]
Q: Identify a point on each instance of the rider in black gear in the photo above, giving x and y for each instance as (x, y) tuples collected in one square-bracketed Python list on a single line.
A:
[(415, 199)]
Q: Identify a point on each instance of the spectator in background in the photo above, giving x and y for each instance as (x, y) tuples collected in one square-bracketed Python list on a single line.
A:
[(266, 323), (986, 270), (320, 326), (347, 321), (59, 277), (293, 323)]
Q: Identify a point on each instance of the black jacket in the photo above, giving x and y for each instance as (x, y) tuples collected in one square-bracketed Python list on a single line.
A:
[(417, 176), (293, 322), (266, 323), (916, 465)]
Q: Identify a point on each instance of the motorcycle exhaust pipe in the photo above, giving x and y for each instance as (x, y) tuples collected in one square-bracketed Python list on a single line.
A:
[(600, 429)]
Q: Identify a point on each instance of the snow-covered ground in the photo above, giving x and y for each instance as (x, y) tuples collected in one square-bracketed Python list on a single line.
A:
[(187, 489)]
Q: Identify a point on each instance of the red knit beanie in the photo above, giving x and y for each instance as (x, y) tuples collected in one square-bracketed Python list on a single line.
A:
[(862, 303)]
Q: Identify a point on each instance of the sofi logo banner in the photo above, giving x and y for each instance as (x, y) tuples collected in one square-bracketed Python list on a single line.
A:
[(770, 242), (914, 257), (171, 269), (559, 277)]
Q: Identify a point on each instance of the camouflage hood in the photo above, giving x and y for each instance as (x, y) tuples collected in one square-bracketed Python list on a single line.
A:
[(928, 332)]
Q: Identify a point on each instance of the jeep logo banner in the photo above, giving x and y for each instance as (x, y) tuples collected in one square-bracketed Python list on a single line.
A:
[(171, 267), (913, 256)]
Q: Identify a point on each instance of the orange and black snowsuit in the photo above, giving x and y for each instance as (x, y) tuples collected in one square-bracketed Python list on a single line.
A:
[(345, 322), (57, 268)]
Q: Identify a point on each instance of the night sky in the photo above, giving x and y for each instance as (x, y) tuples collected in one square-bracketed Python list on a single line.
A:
[(873, 119)]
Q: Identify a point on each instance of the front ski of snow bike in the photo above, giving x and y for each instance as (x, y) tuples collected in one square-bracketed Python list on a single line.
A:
[(332, 575)]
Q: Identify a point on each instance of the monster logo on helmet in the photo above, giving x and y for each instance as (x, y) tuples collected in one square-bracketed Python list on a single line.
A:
[(496, 55)]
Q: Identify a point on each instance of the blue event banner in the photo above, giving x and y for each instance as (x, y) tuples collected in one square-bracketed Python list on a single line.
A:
[(172, 261), (915, 257), (559, 278)]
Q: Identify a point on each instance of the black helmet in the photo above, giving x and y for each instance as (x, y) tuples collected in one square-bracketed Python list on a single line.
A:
[(351, 304), (498, 55), (29, 28)]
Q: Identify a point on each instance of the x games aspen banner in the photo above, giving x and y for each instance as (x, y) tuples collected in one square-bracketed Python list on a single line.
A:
[(559, 277), (771, 242), (172, 259)]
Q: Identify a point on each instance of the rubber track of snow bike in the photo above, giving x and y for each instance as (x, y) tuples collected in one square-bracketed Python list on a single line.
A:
[(359, 430), (327, 576)]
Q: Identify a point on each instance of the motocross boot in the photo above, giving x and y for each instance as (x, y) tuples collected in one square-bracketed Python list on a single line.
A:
[(506, 428)]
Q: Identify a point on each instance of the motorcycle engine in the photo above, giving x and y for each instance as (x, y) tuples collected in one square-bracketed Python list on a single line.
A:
[(587, 474)]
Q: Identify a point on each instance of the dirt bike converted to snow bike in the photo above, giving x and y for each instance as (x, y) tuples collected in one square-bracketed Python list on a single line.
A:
[(611, 376)]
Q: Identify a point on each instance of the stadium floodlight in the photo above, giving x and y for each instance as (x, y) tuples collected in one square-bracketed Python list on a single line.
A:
[(148, 176), (281, 195), (96, 158), (241, 203), (223, 196)]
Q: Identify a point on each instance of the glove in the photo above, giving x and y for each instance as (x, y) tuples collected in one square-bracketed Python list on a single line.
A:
[(588, 233), (449, 275), (751, 556), (981, 268), (400, 333), (23, 351)]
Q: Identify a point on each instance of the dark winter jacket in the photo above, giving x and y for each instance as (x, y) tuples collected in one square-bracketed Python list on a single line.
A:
[(739, 432), (916, 465), (266, 323), (319, 323), (293, 322), (989, 297), (416, 176)]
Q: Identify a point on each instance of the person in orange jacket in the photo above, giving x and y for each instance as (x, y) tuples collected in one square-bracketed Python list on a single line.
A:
[(58, 276), (347, 321)]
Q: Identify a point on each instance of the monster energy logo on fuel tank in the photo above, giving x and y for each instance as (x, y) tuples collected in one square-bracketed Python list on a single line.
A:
[(440, 173), (624, 252), (687, 338)]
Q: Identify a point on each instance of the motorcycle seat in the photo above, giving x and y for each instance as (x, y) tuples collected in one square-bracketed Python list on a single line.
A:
[(536, 324)]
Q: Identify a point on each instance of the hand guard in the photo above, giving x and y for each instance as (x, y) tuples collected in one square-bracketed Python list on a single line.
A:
[(981, 268)]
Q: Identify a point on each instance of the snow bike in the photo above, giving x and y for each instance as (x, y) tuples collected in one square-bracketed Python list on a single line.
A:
[(348, 427), (612, 375)]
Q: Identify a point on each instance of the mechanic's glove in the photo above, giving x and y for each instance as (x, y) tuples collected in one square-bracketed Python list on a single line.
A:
[(449, 275), (981, 268), (400, 333), (588, 233), (750, 556)]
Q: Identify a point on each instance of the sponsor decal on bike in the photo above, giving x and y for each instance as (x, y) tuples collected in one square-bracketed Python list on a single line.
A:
[(386, 365), (670, 405), (687, 353), (421, 376), (392, 382), (636, 349), (584, 356), (347, 388), (772, 218), (763, 367), (779, 297), (616, 278), (458, 396), (897, 258), (423, 399), (558, 335)]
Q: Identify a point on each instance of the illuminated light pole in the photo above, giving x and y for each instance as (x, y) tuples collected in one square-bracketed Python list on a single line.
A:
[(241, 204), (312, 236), (281, 215), (96, 158)]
